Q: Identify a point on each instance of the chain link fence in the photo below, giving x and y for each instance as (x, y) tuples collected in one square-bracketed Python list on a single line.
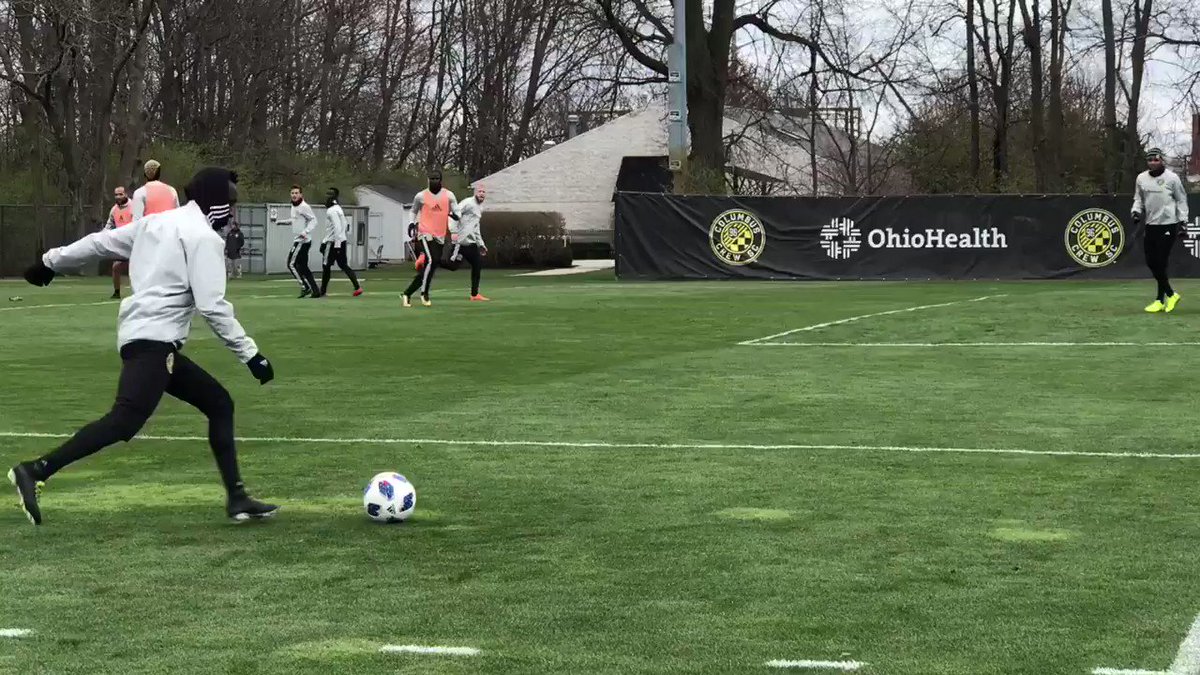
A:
[(27, 230)]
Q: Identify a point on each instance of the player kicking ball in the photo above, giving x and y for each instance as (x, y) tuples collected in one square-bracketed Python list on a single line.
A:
[(177, 269)]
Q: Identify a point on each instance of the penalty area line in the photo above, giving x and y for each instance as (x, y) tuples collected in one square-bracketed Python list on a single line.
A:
[(827, 324)]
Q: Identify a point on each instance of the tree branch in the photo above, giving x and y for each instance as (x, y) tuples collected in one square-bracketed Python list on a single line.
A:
[(627, 41)]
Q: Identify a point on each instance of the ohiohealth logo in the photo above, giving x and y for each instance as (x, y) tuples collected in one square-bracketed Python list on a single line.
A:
[(841, 238), (1191, 240)]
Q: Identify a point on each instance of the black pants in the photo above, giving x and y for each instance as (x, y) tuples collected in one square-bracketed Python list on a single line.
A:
[(330, 254), (1158, 241), (433, 251), (470, 253), (148, 370), (297, 263)]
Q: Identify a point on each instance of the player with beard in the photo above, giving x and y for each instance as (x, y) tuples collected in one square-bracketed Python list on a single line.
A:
[(120, 216), (303, 222), (432, 210), (1160, 200), (177, 271), (468, 240)]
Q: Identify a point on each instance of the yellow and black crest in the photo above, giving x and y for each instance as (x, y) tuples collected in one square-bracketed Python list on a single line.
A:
[(737, 237), (1095, 238)]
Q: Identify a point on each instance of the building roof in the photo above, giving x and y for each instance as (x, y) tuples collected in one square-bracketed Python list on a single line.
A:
[(401, 195)]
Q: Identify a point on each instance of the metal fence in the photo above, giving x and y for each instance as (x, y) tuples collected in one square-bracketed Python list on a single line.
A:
[(27, 230)]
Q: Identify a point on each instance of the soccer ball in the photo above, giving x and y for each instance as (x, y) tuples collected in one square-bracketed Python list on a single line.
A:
[(389, 498)]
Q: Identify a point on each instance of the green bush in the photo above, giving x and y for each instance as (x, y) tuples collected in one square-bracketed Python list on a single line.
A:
[(526, 239)]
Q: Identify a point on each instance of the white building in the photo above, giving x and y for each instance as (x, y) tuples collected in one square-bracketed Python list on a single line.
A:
[(578, 177), (390, 213)]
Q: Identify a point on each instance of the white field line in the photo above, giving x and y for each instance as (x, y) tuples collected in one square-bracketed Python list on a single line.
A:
[(1187, 659), (827, 324), (419, 649), (15, 632), (846, 666), (114, 303), (601, 445), (900, 345)]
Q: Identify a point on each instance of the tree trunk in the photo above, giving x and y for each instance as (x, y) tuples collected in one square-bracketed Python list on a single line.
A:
[(1132, 145), (1056, 123), (1032, 35), (1112, 160), (972, 93)]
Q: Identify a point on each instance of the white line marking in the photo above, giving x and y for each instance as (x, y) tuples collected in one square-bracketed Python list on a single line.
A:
[(114, 303), (848, 666), (418, 649), (14, 632), (641, 446), (1187, 660), (827, 324), (972, 344)]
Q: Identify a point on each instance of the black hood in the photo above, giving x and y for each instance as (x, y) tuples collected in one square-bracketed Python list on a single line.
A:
[(214, 190)]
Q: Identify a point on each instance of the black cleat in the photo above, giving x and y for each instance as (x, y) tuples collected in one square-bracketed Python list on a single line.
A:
[(115, 296), (29, 489), (245, 507), (305, 293)]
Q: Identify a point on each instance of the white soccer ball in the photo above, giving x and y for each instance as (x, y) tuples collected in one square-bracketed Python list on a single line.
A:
[(389, 498)]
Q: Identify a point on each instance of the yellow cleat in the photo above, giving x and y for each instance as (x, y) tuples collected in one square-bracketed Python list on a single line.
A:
[(425, 301), (1155, 307), (405, 302), (1172, 301)]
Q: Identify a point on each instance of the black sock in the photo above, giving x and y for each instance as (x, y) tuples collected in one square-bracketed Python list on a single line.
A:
[(324, 280)]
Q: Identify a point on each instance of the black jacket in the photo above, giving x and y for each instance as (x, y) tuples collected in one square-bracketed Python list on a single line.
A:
[(234, 241)]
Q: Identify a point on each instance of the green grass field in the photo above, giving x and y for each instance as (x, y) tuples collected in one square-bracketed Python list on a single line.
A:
[(662, 499)]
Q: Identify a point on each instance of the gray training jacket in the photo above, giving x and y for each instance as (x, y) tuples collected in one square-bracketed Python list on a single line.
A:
[(176, 269), (1160, 200)]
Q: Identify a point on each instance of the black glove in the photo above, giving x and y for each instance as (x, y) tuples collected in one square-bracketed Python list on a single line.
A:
[(1137, 218), (261, 368), (38, 274), (323, 247)]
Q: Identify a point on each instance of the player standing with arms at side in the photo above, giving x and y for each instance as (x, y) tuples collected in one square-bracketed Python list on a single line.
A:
[(155, 196), (333, 246), (303, 222), (432, 210), (177, 272), (468, 239), (120, 216), (1160, 200), (235, 241)]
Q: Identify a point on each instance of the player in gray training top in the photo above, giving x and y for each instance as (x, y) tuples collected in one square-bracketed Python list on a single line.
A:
[(303, 222), (333, 246), (1160, 201), (177, 272), (468, 239)]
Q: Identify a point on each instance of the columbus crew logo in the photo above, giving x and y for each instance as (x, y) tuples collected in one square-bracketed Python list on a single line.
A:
[(737, 237), (1095, 238)]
